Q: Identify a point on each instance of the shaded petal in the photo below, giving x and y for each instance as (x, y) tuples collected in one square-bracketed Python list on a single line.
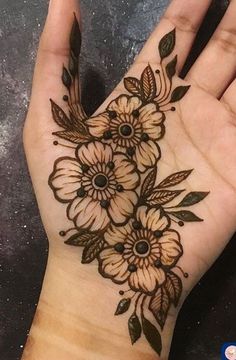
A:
[(122, 206), (66, 179), (151, 219), (98, 124), (94, 152), (116, 234), (146, 155), (170, 247), (126, 172), (151, 119), (125, 104), (146, 279), (113, 265), (88, 214)]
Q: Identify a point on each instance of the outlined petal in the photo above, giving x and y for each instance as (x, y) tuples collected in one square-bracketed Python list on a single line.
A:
[(170, 247), (65, 179), (125, 104), (151, 119), (146, 155), (126, 172), (113, 265), (116, 234), (94, 152), (151, 218), (122, 206), (146, 279), (98, 124)]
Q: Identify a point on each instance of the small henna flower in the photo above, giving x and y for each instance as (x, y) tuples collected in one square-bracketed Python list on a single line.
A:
[(141, 252), (99, 186), (131, 128)]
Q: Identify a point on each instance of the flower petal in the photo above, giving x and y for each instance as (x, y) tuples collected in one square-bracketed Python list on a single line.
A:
[(65, 179), (98, 124), (151, 119), (125, 104), (170, 247), (94, 152), (125, 172), (146, 155), (113, 265), (151, 219), (146, 279), (122, 206), (88, 214), (117, 234)]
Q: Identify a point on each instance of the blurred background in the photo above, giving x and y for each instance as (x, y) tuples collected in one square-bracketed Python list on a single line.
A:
[(113, 33)]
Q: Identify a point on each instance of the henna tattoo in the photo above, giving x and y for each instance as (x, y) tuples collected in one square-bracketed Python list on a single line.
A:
[(120, 216)]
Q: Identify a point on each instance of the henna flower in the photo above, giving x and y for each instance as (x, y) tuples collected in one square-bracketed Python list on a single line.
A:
[(141, 252), (99, 186), (131, 128)]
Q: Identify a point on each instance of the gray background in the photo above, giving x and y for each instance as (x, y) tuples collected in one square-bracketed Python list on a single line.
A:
[(114, 31)]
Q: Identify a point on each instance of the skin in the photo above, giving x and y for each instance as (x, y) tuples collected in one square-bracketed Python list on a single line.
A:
[(73, 319)]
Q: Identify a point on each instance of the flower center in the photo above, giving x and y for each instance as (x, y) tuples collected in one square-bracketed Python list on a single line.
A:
[(126, 130), (100, 181), (142, 247)]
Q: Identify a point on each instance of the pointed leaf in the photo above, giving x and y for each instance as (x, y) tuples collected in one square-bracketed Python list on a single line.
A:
[(66, 78), (79, 125), (192, 198), (73, 65), (135, 328), (159, 306), (132, 85), (59, 116), (152, 335), (149, 183), (185, 215), (174, 179), (72, 136), (75, 38), (174, 287), (123, 306), (93, 248), (171, 68), (179, 93), (81, 238), (161, 197), (167, 44), (148, 84)]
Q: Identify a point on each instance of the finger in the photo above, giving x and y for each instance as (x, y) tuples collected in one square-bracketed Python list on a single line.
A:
[(228, 98), (215, 68), (186, 16), (54, 50)]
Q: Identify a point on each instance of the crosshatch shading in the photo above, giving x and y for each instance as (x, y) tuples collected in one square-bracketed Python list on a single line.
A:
[(120, 217)]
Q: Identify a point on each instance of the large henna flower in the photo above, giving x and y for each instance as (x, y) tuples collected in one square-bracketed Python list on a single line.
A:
[(131, 128), (99, 186), (141, 252)]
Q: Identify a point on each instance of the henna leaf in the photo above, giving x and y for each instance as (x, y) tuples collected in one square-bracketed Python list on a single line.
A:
[(159, 306), (161, 197), (72, 136), (185, 215), (123, 306), (167, 44), (148, 84), (73, 65), (178, 93), (79, 125), (66, 78), (192, 198), (60, 117), (132, 85), (81, 238), (171, 68), (174, 179), (174, 287), (92, 249), (135, 328), (75, 38), (152, 335), (149, 183)]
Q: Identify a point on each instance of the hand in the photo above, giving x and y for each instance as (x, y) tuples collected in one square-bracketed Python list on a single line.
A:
[(198, 134)]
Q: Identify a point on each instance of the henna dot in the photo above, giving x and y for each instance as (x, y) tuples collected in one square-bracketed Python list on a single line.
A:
[(121, 292), (131, 151), (181, 223), (107, 135), (62, 233), (186, 275), (158, 263), (145, 137), (142, 247), (119, 247), (85, 168), (111, 165), (173, 108), (55, 143), (112, 114), (137, 225), (132, 268), (65, 98), (120, 188), (101, 181), (136, 113), (126, 130), (157, 71), (81, 192), (158, 233), (105, 204)]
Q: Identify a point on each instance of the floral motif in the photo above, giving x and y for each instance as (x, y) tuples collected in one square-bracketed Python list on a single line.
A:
[(99, 185), (131, 128), (141, 252)]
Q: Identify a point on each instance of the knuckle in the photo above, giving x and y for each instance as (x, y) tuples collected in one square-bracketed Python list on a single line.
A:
[(226, 39), (181, 22)]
